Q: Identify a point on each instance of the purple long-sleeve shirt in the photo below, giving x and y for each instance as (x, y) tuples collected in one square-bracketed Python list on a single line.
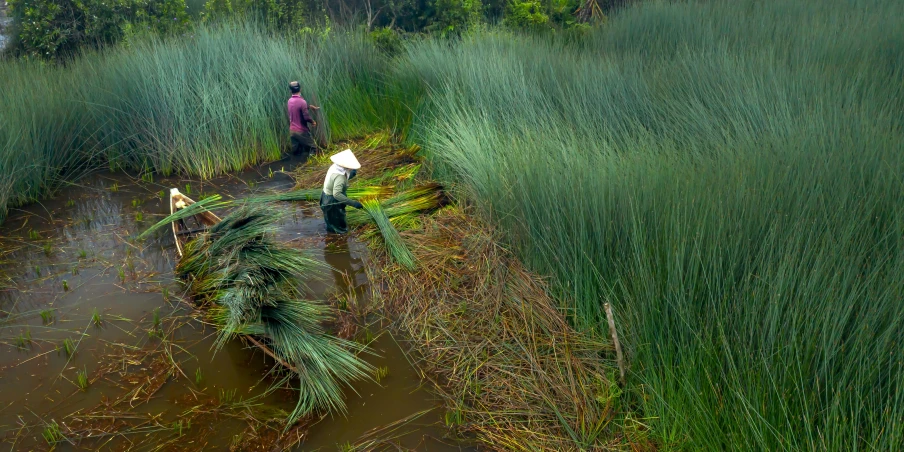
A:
[(299, 117)]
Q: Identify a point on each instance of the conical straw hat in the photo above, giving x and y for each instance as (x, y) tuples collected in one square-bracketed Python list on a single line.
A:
[(346, 159)]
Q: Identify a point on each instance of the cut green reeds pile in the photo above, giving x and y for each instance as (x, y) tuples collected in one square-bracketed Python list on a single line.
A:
[(420, 199), (392, 177), (252, 286), (313, 194), (385, 169), (394, 243)]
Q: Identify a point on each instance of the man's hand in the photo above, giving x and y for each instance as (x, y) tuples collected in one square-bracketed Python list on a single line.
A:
[(356, 204), (313, 123)]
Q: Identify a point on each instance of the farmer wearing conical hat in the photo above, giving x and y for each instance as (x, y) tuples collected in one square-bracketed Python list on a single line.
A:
[(333, 199)]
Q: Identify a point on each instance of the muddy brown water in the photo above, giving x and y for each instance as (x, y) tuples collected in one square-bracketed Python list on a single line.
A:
[(65, 259)]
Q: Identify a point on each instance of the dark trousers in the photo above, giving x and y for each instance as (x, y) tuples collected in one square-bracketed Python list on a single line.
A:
[(333, 214), (302, 142)]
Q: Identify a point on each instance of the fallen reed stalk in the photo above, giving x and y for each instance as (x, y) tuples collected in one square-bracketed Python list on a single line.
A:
[(619, 358)]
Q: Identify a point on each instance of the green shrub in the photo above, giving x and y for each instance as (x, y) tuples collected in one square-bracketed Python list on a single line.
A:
[(387, 40), (526, 14), (60, 28), (279, 14), (452, 17)]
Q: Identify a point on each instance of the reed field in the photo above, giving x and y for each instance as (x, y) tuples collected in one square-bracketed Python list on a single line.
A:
[(727, 175), (202, 105)]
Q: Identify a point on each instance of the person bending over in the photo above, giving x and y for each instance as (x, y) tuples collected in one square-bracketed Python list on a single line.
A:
[(333, 199)]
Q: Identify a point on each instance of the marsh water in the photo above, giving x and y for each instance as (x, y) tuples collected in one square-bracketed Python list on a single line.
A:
[(80, 300), (4, 23)]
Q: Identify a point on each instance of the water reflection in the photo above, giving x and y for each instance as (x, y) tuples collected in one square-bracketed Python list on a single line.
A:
[(82, 239), (346, 267), (4, 24)]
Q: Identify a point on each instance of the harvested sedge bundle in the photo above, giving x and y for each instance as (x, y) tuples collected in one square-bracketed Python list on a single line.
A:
[(252, 285), (313, 194), (423, 198), (394, 243)]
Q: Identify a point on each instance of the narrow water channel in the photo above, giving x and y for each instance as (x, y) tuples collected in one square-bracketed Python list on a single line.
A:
[(4, 24), (77, 297)]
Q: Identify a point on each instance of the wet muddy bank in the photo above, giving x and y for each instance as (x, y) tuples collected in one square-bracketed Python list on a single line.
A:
[(98, 344)]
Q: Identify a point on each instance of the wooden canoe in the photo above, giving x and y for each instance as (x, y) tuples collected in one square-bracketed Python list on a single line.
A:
[(185, 229)]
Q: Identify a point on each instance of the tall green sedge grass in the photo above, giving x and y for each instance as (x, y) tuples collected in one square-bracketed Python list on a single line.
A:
[(728, 176), (202, 105), (42, 133)]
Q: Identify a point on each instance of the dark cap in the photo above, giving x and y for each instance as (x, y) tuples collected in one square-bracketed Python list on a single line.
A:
[(294, 87)]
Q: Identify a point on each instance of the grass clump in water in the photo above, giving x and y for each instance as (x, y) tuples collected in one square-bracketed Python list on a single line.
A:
[(47, 316), (23, 341), (68, 347), (252, 286), (81, 379), (380, 374), (156, 319), (96, 319), (52, 433)]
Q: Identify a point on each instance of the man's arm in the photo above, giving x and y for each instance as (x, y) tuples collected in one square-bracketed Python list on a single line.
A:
[(306, 115)]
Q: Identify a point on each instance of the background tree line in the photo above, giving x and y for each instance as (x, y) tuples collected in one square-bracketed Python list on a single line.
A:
[(56, 29)]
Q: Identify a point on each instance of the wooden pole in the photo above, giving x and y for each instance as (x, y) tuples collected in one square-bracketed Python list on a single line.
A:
[(269, 352), (619, 359)]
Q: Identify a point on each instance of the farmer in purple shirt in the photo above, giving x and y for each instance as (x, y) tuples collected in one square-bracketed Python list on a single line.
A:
[(299, 118)]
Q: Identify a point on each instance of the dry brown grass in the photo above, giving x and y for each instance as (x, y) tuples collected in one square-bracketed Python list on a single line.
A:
[(514, 373)]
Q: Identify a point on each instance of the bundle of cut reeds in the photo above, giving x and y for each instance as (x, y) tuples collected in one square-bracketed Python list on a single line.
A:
[(252, 286), (420, 199), (394, 243), (313, 194)]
